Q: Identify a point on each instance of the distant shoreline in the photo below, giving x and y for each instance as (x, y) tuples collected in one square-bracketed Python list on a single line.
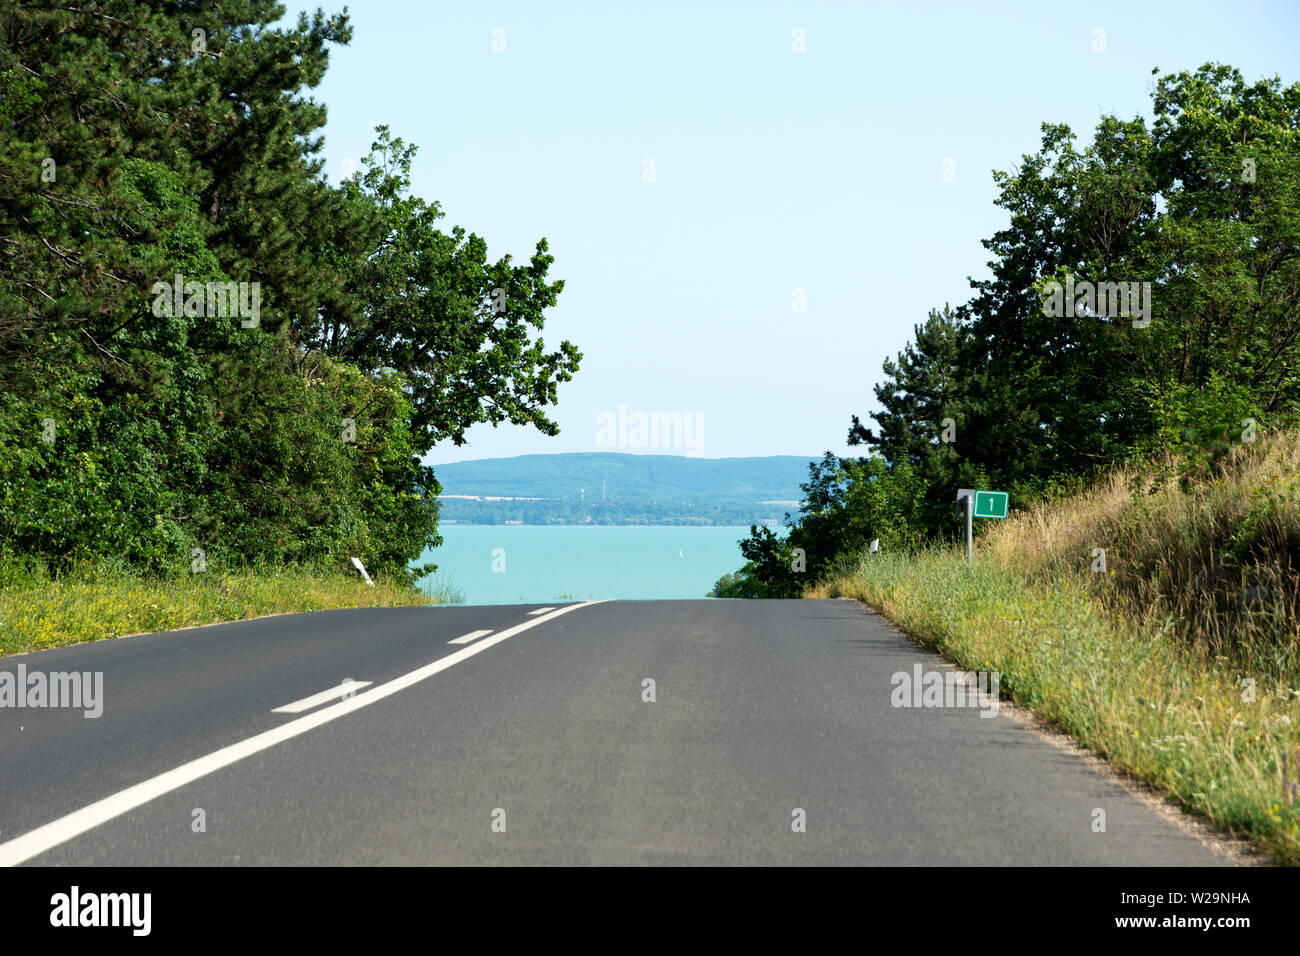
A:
[(466, 524)]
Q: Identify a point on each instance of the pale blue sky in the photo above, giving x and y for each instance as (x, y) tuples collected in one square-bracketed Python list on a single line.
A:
[(775, 171)]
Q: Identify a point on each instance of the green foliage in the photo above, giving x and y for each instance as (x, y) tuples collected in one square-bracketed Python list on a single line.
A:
[(851, 502), (745, 584), (725, 587), (846, 504), (436, 310), (1203, 204), (926, 413), (133, 153)]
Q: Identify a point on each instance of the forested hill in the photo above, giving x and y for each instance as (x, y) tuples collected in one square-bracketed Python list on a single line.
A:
[(611, 488)]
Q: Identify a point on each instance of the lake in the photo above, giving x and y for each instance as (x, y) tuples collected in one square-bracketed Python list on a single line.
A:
[(509, 564)]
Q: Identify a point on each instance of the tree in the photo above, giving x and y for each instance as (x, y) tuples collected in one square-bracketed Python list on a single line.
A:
[(846, 504), (149, 139), (1203, 207), (929, 420), (436, 310)]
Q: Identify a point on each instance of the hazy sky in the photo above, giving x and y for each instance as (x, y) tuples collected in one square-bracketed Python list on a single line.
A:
[(857, 171)]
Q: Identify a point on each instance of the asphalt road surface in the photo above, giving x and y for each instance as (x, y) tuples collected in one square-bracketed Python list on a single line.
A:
[(772, 738)]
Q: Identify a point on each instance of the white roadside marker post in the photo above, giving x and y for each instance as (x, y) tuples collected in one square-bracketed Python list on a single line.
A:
[(362, 568)]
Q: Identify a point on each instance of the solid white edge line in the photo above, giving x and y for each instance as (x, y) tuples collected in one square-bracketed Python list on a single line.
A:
[(315, 700), (541, 610), (471, 636), (35, 842)]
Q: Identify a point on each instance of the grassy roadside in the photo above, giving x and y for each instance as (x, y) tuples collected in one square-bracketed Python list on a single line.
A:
[(94, 603), (1144, 664)]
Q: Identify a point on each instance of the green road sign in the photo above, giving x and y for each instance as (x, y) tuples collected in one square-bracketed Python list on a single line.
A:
[(990, 504)]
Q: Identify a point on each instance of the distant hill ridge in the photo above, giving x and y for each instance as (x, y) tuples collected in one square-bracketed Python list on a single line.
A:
[(627, 477)]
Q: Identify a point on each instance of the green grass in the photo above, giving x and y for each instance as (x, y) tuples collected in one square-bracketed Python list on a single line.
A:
[(96, 602), (1153, 706)]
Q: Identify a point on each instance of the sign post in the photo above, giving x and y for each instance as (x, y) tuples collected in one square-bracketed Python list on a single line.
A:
[(967, 495), (980, 504)]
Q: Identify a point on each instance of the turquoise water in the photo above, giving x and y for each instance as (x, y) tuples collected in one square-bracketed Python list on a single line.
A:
[(564, 563)]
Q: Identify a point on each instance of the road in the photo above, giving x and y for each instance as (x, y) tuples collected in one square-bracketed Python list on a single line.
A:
[(771, 739)]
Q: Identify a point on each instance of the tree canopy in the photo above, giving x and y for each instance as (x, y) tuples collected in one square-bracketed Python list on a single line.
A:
[(146, 141), (1197, 213)]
